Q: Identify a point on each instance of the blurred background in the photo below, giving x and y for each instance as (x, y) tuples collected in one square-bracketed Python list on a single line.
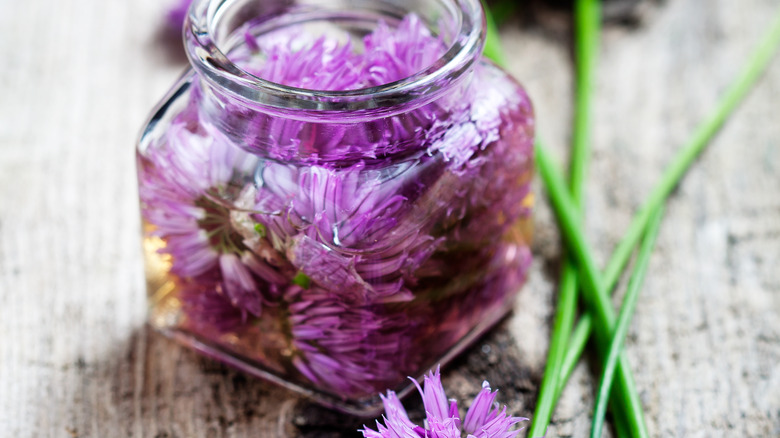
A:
[(80, 77)]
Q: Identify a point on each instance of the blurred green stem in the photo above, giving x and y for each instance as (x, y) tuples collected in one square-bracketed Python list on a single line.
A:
[(588, 23), (566, 208), (624, 318), (682, 161), (503, 9), (492, 48), (593, 291)]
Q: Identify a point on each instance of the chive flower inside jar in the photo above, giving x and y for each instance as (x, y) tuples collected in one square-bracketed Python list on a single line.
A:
[(336, 195)]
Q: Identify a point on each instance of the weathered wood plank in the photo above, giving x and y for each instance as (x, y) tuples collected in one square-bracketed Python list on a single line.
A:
[(77, 360)]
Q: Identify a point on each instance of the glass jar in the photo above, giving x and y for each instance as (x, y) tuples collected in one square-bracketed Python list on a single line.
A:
[(336, 195)]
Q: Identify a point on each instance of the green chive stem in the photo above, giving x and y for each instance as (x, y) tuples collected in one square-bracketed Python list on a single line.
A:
[(586, 43), (755, 66), (682, 161), (593, 290), (621, 429), (577, 342), (680, 164), (588, 25), (502, 10), (492, 48), (624, 319), (564, 321)]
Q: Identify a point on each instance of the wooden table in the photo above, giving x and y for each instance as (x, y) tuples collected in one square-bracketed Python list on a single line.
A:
[(76, 359)]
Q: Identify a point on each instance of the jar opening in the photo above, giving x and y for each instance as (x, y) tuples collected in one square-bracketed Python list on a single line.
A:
[(215, 30)]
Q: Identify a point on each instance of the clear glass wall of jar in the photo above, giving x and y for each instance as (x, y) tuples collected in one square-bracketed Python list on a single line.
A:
[(336, 195)]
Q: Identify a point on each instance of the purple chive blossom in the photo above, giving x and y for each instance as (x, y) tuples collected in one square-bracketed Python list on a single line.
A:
[(343, 225), (483, 419), (293, 58), (298, 60), (295, 61), (342, 347), (240, 287), (345, 206), (328, 268), (394, 54), (209, 309), (181, 190)]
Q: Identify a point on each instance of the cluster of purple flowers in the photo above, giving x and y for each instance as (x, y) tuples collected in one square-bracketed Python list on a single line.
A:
[(483, 418), (345, 256)]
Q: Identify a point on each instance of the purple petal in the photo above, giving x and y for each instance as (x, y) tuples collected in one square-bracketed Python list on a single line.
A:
[(479, 410)]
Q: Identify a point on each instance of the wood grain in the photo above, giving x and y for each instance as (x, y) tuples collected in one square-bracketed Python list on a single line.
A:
[(76, 359)]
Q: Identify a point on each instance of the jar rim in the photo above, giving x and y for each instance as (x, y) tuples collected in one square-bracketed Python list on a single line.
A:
[(215, 66)]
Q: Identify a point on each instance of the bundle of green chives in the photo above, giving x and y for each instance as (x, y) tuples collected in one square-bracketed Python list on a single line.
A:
[(579, 272)]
